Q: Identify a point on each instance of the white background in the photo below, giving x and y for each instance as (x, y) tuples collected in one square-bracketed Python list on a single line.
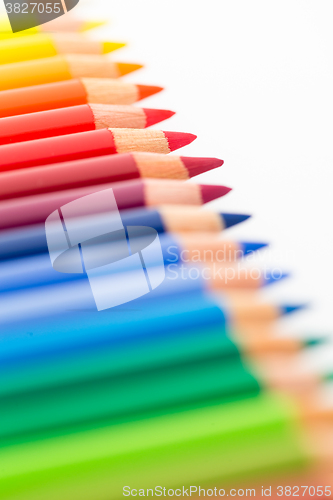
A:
[(254, 80)]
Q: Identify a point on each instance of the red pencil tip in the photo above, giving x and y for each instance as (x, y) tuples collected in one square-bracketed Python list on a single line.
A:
[(211, 192), (147, 90), (196, 166), (178, 140), (125, 68), (156, 115)]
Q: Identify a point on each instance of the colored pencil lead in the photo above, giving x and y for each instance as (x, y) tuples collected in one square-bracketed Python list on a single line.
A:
[(204, 165), (212, 192), (156, 115), (233, 219), (251, 246), (178, 140), (148, 90)]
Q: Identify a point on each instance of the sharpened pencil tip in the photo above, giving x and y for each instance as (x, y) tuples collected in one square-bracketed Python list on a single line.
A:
[(89, 25), (111, 46), (290, 308), (147, 90), (249, 247), (125, 68), (314, 341), (196, 166), (156, 115), (233, 219), (211, 192), (272, 277), (178, 140)]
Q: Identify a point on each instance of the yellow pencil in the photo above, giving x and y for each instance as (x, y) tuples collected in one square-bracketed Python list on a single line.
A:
[(53, 44)]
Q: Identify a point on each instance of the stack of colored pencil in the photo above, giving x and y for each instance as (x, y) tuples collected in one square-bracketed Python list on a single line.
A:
[(189, 385)]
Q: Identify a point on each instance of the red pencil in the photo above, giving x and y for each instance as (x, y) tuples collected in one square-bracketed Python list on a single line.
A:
[(77, 119), (89, 144), (99, 170), (71, 93), (128, 194)]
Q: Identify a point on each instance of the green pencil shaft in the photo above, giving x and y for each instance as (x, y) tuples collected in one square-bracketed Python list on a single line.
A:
[(218, 443), (126, 397)]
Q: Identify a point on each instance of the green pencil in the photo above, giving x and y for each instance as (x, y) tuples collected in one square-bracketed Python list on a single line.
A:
[(127, 397), (222, 443)]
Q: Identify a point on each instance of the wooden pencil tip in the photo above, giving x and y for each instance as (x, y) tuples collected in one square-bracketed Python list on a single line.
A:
[(212, 192), (147, 90), (156, 115), (89, 25), (125, 68), (196, 166), (111, 46), (178, 140)]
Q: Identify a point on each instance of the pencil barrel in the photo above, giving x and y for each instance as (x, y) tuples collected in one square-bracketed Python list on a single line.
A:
[(30, 127), (38, 72), (42, 98)]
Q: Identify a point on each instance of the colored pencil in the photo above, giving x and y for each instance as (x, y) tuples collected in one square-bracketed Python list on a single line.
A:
[(77, 119), (89, 144), (261, 337), (66, 24), (128, 194), (152, 392), (114, 357), (245, 307), (31, 239), (71, 93), (56, 300), (273, 344), (207, 248), (170, 349), (131, 396), (58, 68), (37, 270), (126, 397), (101, 169), (50, 45), (191, 447), (135, 356)]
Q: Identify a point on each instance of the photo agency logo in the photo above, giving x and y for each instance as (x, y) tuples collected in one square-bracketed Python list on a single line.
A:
[(24, 14), (88, 236)]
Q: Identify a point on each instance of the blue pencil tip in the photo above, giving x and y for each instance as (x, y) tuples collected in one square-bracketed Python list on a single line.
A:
[(251, 246), (273, 277), (233, 219), (288, 309)]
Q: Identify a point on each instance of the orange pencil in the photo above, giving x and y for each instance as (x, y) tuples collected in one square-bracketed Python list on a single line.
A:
[(58, 68), (73, 92)]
